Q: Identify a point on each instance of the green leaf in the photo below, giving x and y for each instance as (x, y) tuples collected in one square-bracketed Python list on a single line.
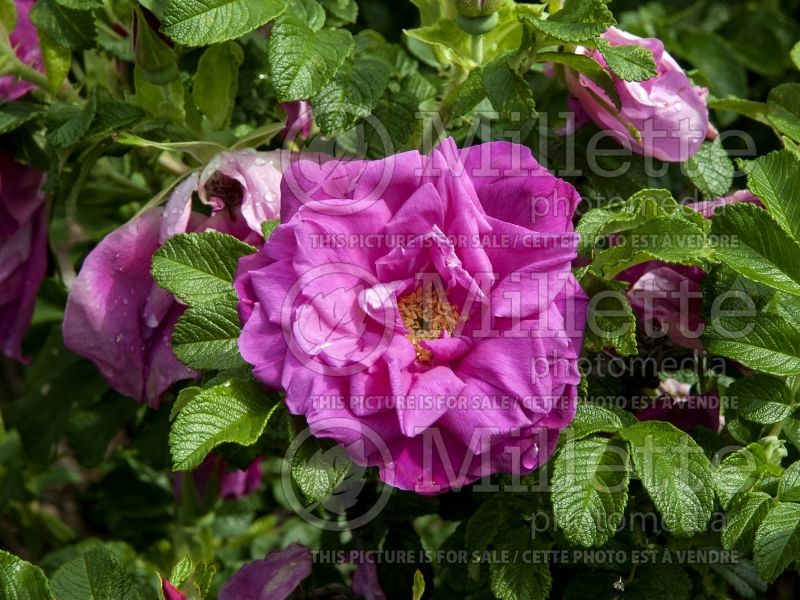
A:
[(586, 66), (777, 542), (340, 12), (508, 91), (618, 217), (675, 472), (775, 179), (769, 257), (517, 579), (67, 123), (319, 467), (74, 29), (743, 518), (578, 21), (96, 575), (789, 485), (418, 588), (629, 63), (236, 411), (660, 581), (309, 12), (591, 418), (216, 82), (199, 267), (16, 114), (784, 109), (748, 108), (8, 15), (761, 398), (742, 471), (181, 571), (20, 580), (611, 322), (57, 60), (153, 55), (765, 341), (670, 239), (352, 94), (268, 227), (204, 22), (710, 169), (91, 428), (590, 489), (795, 54), (711, 54), (743, 577), (391, 125), (301, 60), (206, 335)]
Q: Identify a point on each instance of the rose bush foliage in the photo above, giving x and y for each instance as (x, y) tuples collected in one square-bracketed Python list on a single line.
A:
[(377, 299)]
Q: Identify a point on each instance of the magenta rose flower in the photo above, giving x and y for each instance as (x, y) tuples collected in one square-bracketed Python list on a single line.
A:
[(668, 298), (421, 311), (25, 42), (274, 577), (117, 316), (23, 250), (233, 483), (668, 111), (676, 405)]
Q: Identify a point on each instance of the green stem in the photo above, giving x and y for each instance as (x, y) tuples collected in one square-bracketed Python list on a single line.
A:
[(477, 49)]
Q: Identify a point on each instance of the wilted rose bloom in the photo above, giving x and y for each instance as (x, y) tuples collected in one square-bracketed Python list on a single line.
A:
[(25, 42), (299, 119), (279, 574), (116, 314), (274, 577), (421, 311), (668, 297), (233, 483), (23, 250), (171, 592), (669, 112), (675, 405)]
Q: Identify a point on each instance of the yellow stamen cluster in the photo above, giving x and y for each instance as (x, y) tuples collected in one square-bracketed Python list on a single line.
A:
[(427, 314)]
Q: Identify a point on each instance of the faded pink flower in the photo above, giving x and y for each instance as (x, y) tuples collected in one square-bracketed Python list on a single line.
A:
[(421, 311), (668, 111), (233, 484), (23, 250), (668, 298), (116, 314), (676, 405), (274, 577), (25, 42)]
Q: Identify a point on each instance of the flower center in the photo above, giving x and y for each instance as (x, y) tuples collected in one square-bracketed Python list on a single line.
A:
[(427, 314)]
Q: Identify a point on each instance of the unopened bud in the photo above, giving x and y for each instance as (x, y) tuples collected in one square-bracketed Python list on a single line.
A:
[(478, 8)]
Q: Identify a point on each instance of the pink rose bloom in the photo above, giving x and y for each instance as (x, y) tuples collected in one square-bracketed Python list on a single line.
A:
[(668, 110), (25, 42), (116, 314), (421, 311), (675, 405), (272, 578), (668, 297), (23, 250), (299, 119), (170, 591), (233, 484)]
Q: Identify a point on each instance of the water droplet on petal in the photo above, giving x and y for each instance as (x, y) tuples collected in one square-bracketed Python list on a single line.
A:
[(118, 339)]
